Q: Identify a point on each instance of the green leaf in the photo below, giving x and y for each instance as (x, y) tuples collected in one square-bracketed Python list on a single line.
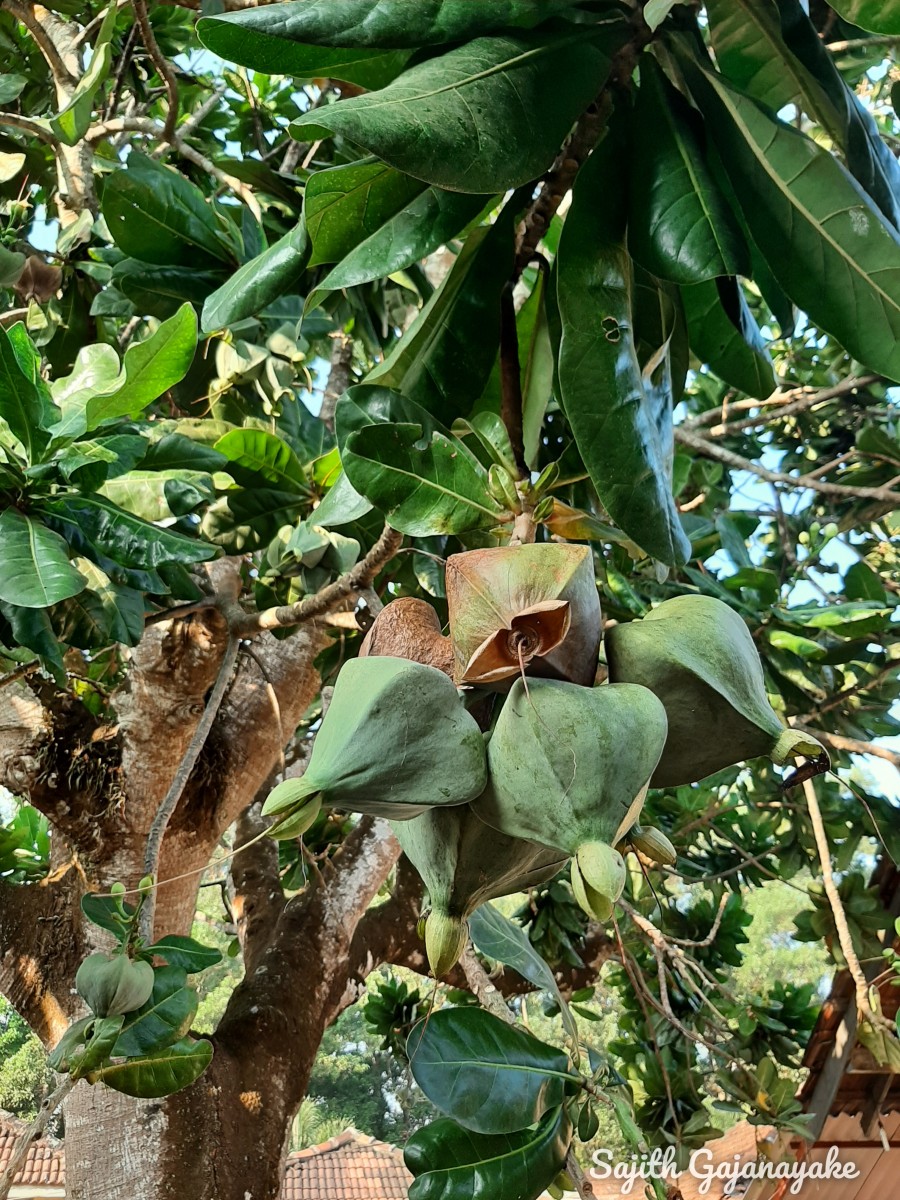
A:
[(444, 359), (680, 225), (427, 222), (185, 952), (250, 43), (869, 158), (750, 50), (862, 583), (877, 16), (12, 262), (488, 1076), (104, 612), (724, 334), (477, 104), (508, 943), (345, 204), (97, 373), (24, 404), (154, 214), (152, 366), (258, 282), (827, 246), (159, 495), (451, 1163), (35, 571), (241, 521), (424, 481), (341, 504), (11, 87), (164, 1019), (104, 911), (71, 124), (384, 25), (267, 455), (158, 1074), (94, 525), (622, 439), (33, 629), (161, 290)]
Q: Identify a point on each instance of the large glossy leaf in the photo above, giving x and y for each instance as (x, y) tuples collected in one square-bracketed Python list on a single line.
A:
[(445, 357), (266, 454), (161, 290), (869, 158), (344, 205), (258, 282), (104, 612), (250, 43), (397, 457), (379, 24), (156, 215), (476, 105), (680, 225), (750, 50), (160, 1073), (341, 505), (427, 222), (164, 1019), (33, 629), (72, 123), (35, 571), (488, 1076), (24, 403), (614, 424), (185, 952), (827, 245), (451, 1163), (244, 520), (503, 940), (95, 525), (159, 495), (725, 336), (878, 16), (152, 366)]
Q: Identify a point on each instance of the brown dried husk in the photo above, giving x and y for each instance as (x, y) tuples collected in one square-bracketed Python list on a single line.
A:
[(409, 628), (534, 606)]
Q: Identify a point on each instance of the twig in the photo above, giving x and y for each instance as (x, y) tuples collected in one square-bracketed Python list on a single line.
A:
[(511, 379), (64, 79), (361, 576), (163, 69), (852, 745), (482, 988), (708, 449), (845, 938), (177, 786), (785, 404), (862, 43), (34, 1131), (339, 377), (27, 125)]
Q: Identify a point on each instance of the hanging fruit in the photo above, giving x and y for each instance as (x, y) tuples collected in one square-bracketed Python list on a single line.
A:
[(569, 768), (463, 863), (533, 608), (696, 654), (112, 984), (396, 740), (409, 628)]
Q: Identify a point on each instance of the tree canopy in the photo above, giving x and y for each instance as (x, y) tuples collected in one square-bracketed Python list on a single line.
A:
[(301, 300)]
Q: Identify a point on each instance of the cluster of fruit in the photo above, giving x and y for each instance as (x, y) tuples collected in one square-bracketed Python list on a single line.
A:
[(497, 758)]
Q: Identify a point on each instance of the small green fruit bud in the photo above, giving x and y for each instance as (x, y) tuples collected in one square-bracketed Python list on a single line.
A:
[(654, 843)]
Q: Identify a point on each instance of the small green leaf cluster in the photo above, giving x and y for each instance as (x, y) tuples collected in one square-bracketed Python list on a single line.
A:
[(137, 1038)]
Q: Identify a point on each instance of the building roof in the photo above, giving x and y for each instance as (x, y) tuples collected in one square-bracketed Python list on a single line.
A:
[(351, 1166), (45, 1165)]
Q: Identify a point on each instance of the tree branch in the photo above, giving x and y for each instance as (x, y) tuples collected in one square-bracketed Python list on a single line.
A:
[(32, 128), (45, 30), (258, 895), (163, 69), (283, 616), (177, 786), (707, 449), (852, 745), (784, 403), (34, 1131)]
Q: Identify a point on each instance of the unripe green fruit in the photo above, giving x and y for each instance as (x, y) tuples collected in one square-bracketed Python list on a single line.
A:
[(445, 940), (654, 843), (112, 985)]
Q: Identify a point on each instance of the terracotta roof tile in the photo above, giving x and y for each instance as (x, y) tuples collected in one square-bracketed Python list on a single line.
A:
[(351, 1166), (46, 1162)]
